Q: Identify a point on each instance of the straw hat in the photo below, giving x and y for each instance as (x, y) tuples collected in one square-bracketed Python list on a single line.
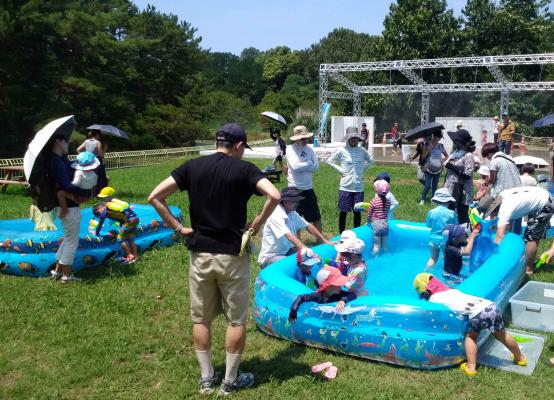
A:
[(300, 132)]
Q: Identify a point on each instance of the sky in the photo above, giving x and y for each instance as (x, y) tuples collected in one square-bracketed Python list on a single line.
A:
[(232, 25)]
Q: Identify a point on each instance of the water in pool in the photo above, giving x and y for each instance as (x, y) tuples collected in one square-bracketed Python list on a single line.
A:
[(392, 273)]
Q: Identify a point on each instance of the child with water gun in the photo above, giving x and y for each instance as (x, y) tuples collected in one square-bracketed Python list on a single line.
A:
[(122, 214), (482, 313)]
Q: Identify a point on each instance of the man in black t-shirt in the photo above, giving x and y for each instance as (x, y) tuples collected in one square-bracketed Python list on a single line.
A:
[(219, 187)]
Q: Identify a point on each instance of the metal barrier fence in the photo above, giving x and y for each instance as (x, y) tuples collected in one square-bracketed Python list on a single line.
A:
[(138, 158)]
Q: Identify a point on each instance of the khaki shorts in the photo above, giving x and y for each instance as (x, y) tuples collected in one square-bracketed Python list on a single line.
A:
[(219, 284)]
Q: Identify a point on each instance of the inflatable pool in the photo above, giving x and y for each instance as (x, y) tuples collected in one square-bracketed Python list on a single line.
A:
[(391, 324), (26, 252)]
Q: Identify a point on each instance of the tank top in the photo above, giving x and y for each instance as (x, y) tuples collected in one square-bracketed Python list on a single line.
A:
[(92, 146)]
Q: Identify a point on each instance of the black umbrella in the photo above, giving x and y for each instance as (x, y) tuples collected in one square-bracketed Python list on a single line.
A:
[(110, 130), (423, 130), (544, 121)]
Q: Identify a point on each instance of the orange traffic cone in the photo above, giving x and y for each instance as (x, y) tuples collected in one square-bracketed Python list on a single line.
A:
[(384, 138), (522, 145)]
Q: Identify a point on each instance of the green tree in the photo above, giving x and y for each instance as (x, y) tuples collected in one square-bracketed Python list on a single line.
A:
[(278, 63)]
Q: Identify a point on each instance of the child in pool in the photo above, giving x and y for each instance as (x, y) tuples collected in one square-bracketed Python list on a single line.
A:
[(393, 202), (120, 212), (378, 215), (305, 263), (329, 291), (458, 244), (339, 261), (356, 267), (482, 314), (437, 219), (482, 185)]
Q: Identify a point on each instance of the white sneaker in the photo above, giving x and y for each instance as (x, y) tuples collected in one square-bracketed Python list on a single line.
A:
[(421, 202), (55, 275), (70, 278)]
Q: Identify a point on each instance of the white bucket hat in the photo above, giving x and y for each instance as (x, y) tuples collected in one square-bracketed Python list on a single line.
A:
[(353, 245), (484, 170)]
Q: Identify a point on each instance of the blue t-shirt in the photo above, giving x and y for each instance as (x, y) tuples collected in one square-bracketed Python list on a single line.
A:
[(437, 219)]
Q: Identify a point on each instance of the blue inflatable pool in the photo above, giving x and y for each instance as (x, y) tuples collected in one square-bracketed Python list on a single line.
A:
[(26, 252), (391, 324)]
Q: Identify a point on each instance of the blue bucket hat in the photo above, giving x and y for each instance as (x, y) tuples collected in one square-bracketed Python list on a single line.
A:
[(384, 176), (455, 235), (85, 161)]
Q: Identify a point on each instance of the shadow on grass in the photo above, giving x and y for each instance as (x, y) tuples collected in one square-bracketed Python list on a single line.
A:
[(283, 366), (111, 269)]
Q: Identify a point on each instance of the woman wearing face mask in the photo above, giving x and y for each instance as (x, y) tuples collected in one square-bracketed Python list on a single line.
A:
[(351, 161)]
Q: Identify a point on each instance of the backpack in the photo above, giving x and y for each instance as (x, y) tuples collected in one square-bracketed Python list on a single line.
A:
[(43, 185), (434, 164)]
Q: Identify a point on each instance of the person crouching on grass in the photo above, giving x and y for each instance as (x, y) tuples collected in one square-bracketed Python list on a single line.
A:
[(482, 313), (120, 212)]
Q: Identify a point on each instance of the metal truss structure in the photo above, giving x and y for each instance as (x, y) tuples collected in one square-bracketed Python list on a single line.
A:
[(410, 69)]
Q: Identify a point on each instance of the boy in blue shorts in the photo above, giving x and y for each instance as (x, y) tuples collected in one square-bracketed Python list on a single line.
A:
[(437, 219)]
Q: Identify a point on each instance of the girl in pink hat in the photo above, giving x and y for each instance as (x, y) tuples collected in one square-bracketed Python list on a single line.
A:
[(378, 215)]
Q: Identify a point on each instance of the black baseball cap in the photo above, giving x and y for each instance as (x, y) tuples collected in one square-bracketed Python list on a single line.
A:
[(232, 133)]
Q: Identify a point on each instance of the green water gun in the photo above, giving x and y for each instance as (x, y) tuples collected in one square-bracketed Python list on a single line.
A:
[(542, 260)]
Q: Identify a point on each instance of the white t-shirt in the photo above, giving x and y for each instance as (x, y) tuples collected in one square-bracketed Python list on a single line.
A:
[(84, 179), (279, 223), (520, 202), (302, 162), (527, 180), (461, 303)]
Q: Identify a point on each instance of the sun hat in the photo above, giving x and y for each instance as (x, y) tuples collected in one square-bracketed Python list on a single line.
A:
[(106, 192), (484, 170), (330, 276), (459, 123), (85, 161), (384, 176), (420, 282), (496, 118), (347, 234), (232, 133), (425, 281), (300, 132), (381, 187), (454, 234), (352, 132), (460, 136), (291, 193), (305, 258), (443, 195), (353, 245), (505, 114)]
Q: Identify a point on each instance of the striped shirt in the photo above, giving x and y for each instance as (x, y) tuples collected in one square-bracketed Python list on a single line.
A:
[(377, 210)]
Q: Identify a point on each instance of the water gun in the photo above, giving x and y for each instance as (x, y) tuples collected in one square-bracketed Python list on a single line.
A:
[(361, 206), (542, 260)]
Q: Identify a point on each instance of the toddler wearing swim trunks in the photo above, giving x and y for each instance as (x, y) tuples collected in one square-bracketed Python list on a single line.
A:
[(437, 219)]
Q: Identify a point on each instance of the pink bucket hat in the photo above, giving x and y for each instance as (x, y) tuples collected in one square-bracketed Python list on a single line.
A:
[(381, 187), (330, 276)]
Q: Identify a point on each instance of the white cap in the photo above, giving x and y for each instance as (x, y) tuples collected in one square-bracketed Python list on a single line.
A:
[(484, 170), (459, 123), (347, 234), (354, 245)]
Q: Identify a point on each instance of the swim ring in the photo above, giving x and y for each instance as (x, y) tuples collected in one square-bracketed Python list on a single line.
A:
[(391, 324), (26, 252)]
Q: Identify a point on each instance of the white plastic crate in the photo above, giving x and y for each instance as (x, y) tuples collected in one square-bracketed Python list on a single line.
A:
[(533, 306)]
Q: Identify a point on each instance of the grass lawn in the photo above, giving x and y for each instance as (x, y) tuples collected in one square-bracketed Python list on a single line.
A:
[(125, 333)]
